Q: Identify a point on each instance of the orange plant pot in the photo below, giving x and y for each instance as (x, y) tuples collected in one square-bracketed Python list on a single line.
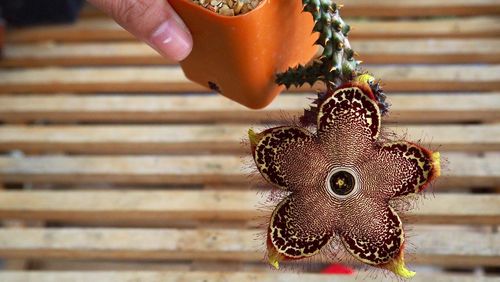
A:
[(239, 56)]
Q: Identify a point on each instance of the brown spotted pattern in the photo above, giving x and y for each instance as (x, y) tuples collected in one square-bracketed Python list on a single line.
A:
[(349, 120), (345, 106), (346, 138), (273, 145), (289, 238), (403, 166), (375, 242)]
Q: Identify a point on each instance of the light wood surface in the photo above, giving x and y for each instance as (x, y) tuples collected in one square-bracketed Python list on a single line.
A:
[(179, 205), (434, 51), (158, 276), (200, 108), (419, 78), (224, 138), (106, 30), (394, 8), (216, 244), (416, 8), (460, 170)]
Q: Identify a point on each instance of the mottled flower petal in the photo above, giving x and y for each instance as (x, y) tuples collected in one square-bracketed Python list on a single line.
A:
[(372, 233), (402, 168), (289, 238), (271, 146), (341, 180), (349, 122)]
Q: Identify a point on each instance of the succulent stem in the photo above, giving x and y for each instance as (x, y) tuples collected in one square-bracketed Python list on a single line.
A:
[(336, 63)]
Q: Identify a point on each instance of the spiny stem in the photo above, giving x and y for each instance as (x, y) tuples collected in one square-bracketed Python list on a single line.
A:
[(336, 63)]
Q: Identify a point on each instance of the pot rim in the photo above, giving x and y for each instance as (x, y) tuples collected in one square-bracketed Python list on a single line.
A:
[(217, 15)]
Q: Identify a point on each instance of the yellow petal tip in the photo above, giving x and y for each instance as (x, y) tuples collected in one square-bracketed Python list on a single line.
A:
[(365, 78), (404, 272), (273, 261), (436, 163), (398, 266), (253, 137)]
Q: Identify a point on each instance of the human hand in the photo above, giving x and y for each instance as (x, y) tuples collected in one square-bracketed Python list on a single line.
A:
[(152, 21)]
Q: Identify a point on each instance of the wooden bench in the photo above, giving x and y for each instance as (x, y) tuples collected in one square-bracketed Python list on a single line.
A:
[(113, 166)]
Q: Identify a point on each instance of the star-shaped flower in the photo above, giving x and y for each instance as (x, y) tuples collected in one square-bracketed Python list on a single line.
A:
[(340, 180)]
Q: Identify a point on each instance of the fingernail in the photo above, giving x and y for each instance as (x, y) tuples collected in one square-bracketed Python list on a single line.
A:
[(172, 40)]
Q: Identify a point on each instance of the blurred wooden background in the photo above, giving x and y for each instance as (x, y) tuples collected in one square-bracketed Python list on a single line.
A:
[(114, 167)]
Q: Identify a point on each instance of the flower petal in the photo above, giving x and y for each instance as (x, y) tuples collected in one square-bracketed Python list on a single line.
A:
[(349, 121), (289, 235), (348, 104), (270, 147), (402, 168), (373, 233)]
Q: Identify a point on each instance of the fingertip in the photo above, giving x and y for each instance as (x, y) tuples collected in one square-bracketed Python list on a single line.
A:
[(172, 40)]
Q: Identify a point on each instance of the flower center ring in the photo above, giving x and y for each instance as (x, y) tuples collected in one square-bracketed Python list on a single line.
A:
[(342, 182)]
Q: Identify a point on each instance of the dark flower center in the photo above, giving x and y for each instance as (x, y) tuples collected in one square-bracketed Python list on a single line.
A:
[(342, 183)]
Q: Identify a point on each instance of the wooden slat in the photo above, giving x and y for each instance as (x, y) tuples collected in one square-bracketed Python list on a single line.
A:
[(439, 245), (179, 205), (171, 79), (130, 205), (139, 79), (81, 31), (427, 51), (417, 8), (108, 30), (304, 267), (460, 170), (435, 107), (150, 139), (176, 276), (86, 54), (475, 27), (393, 8), (432, 51), (98, 266)]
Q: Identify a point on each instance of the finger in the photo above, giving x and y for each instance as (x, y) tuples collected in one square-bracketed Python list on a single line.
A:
[(152, 21)]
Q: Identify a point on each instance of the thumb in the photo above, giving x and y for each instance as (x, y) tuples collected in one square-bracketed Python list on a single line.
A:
[(152, 21)]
